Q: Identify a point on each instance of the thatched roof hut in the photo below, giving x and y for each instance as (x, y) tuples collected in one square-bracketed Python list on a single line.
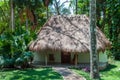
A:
[(69, 34)]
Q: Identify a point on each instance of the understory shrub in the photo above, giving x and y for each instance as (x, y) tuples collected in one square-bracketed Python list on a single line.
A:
[(14, 50)]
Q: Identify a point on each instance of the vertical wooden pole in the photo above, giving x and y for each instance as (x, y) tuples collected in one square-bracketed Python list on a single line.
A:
[(46, 61), (76, 59)]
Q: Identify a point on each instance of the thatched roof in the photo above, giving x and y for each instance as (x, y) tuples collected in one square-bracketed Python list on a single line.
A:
[(67, 33)]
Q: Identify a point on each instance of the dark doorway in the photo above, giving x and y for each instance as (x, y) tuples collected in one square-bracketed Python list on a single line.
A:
[(65, 57)]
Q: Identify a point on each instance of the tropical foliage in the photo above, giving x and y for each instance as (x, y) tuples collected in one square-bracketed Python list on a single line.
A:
[(14, 48), (29, 15)]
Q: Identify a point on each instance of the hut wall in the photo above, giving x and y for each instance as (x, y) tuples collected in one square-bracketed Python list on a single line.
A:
[(39, 58), (103, 57), (85, 57), (56, 55), (82, 57)]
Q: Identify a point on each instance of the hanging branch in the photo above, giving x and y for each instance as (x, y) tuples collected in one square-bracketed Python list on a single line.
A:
[(57, 7)]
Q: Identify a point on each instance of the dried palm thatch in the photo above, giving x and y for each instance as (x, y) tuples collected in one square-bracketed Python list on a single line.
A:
[(69, 34)]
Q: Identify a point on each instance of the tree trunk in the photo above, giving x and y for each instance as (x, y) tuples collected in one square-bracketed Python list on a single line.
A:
[(57, 8), (27, 23), (12, 15), (76, 6), (47, 13), (94, 70)]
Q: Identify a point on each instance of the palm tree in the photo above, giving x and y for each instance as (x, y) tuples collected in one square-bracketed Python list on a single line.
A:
[(94, 72)]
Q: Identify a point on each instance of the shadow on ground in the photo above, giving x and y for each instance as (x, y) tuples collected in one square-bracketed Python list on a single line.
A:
[(32, 74), (109, 67)]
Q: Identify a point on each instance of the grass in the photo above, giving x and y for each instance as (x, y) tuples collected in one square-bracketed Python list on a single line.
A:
[(31, 74), (112, 72)]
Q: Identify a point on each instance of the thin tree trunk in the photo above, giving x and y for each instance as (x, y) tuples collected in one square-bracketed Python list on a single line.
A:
[(76, 6), (94, 70), (12, 15), (47, 13), (26, 23), (57, 8), (46, 59)]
